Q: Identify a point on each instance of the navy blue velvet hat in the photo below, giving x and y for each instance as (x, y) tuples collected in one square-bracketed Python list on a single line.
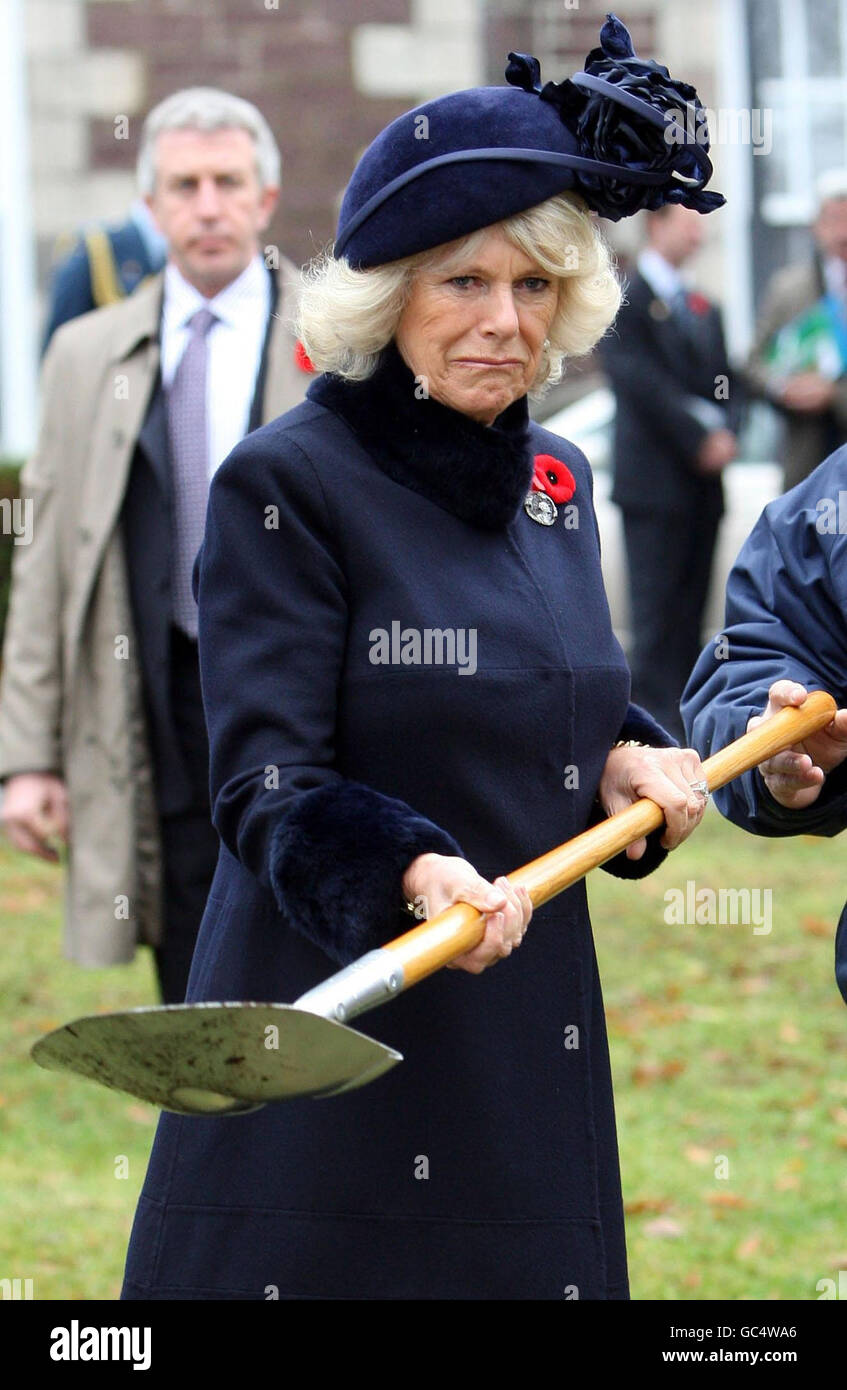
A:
[(622, 133)]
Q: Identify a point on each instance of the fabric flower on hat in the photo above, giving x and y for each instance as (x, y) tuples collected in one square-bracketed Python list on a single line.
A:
[(630, 112), (622, 134)]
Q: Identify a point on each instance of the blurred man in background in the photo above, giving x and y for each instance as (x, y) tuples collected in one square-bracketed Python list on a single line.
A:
[(675, 421), (799, 358), (102, 736)]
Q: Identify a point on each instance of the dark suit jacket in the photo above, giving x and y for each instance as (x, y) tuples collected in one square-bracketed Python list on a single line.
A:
[(655, 365)]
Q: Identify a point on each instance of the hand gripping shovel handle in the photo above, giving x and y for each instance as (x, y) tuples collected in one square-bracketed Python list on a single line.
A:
[(384, 973)]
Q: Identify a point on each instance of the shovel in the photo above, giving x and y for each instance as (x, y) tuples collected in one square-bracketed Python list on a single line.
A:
[(230, 1058)]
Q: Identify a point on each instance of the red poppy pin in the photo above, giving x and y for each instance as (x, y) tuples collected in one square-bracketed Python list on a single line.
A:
[(302, 358), (698, 303), (552, 482)]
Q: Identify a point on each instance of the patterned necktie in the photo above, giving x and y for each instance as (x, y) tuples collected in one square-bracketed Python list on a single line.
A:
[(188, 434), (679, 306)]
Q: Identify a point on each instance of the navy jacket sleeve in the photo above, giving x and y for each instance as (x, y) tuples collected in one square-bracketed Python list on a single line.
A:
[(273, 621), (785, 619)]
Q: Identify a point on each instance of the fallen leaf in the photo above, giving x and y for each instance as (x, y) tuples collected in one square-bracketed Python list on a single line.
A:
[(839, 1114), (140, 1114), (693, 1280), (640, 1205), (816, 926), (726, 1199), (787, 1182), (664, 1226), (747, 1249), (756, 984), (789, 1032), (647, 1072), (695, 1154)]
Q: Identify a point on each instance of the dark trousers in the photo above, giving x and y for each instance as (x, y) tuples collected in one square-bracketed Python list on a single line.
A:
[(189, 841), (670, 563)]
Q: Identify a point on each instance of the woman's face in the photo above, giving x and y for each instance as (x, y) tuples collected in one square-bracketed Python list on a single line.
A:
[(476, 335)]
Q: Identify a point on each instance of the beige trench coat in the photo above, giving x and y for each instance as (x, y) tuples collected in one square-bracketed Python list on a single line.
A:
[(70, 697)]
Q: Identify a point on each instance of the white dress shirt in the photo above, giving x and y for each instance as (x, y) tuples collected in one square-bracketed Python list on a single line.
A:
[(234, 344), (663, 278), (835, 278), (665, 281)]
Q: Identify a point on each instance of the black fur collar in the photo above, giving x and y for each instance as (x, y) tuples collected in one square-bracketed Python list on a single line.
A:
[(480, 473)]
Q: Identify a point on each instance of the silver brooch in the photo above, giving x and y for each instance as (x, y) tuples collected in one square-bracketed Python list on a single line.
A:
[(540, 508)]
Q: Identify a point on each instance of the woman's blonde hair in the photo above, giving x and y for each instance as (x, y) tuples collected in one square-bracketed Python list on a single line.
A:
[(348, 316)]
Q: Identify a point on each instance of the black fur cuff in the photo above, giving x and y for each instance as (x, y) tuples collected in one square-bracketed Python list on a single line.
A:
[(337, 861), (642, 727)]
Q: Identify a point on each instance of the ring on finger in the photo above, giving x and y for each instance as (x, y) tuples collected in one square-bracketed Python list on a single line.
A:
[(702, 787)]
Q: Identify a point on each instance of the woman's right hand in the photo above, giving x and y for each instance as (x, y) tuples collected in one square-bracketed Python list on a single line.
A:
[(437, 881), (795, 776)]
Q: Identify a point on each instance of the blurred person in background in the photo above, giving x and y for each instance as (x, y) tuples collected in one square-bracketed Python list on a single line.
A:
[(102, 736), (677, 408), (105, 265), (785, 634), (799, 357)]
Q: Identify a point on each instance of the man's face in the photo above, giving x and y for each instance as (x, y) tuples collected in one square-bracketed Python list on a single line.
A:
[(677, 233), (209, 205), (831, 228)]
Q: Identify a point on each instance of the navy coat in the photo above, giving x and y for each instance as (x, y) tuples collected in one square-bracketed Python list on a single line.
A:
[(363, 507), (786, 619)]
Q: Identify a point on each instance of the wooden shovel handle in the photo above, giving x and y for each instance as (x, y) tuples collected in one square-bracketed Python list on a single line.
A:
[(434, 943)]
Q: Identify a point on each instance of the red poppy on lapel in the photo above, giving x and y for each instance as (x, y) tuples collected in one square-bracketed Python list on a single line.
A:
[(302, 358), (698, 303), (553, 477)]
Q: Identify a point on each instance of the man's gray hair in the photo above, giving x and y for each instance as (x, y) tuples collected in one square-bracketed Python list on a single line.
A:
[(207, 108), (831, 187)]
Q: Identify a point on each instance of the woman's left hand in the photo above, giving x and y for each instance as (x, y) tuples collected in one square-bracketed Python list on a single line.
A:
[(663, 774)]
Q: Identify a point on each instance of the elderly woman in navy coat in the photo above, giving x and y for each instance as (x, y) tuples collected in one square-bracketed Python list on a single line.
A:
[(412, 686)]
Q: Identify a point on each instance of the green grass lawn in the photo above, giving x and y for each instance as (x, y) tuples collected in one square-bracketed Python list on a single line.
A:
[(728, 1049)]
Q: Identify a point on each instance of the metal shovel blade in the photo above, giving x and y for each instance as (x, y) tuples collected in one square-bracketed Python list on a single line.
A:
[(216, 1058)]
